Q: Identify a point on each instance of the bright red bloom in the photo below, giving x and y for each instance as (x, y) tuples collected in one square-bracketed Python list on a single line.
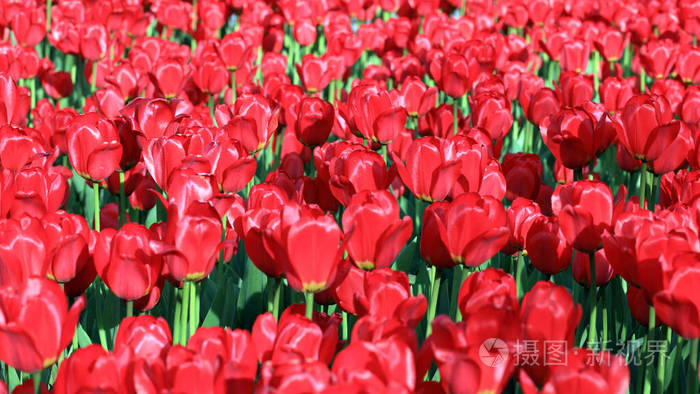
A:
[(657, 57), (231, 164), (14, 101), (313, 73), (473, 229), (547, 250), (129, 260), (315, 119), (523, 173), (376, 113), (548, 313), (584, 372), (23, 250), (68, 243), (94, 147), (313, 248), (581, 268), (427, 172), (253, 121), (678, 304), (647, 130), (26, 345), (234, 350), (91, 368), (376, 233), (585, 210), (195, 236)]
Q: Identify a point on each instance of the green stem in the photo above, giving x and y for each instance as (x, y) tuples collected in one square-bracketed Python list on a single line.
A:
[(596, 68), (642, 80), (309, 298), (435, 278), (183, 312), (96, 195), (650, 337), (455, 117), (177, 328), (100, 317), (194, 316), (643, 185), (661, 370), (344, 326), (273, 301), (36, 376), (122, 200), (233, 87), (129, 308), (519, 267), (458, 277), (93, 81), (593, 302)]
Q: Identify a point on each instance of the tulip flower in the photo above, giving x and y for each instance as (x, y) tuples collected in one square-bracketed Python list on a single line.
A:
[(312, 268), (473, 229), (546, 249), (377, 233), (376, 113), (315, 119), (548, 313), (31, 347), (94, 147), (523, 173), (195, 237), (647, 130), (89, 368), (585, 212), (128, 260)]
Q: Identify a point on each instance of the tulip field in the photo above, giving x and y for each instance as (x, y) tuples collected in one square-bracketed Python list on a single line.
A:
[(349, 196)]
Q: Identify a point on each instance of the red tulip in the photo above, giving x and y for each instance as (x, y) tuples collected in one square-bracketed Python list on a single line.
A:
[(350, 169), (487, 289), (451, 72), (315, 119), (37, 191), (688, 64), (417, 98), (548, 313), (232, 166), (657, 57), (93, 146), (209, 73), (581, 268), (542, 104), (312, 244), (234, 349), (485, 235), (254, 122), (235, 49), (583, 372), (376, 233), (145, 337), (376, 113), (574, 56), (376, 366), (574, 89), (313, 73), (26, 345), (611, 44), (69, 245), (492, 113), (427, 172), (647, 132), (23, 250), (128, 260), (195, 236), (523, 173), (15, 101), (546, 249), (615, 92), (571, 136), (585, 211), (169, 77), (91, 368)]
